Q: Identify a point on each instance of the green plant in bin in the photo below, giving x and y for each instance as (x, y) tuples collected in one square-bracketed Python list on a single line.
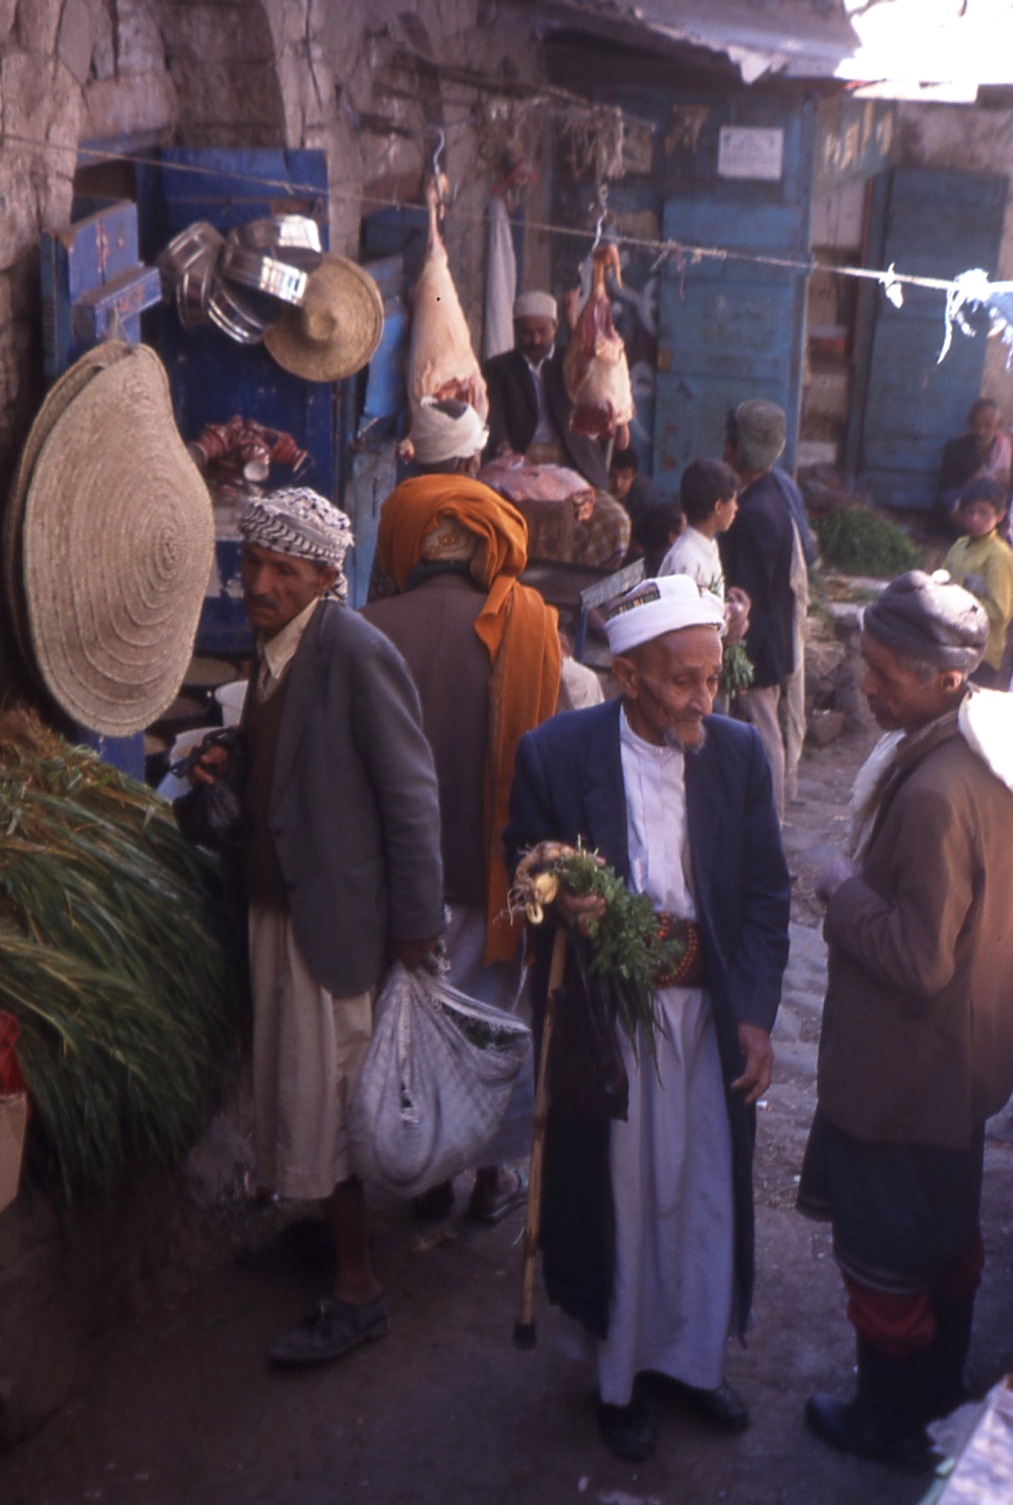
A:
[(114, 964), (857, 541)]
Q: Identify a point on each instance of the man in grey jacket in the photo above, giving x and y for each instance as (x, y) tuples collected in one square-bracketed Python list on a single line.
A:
[(916, 1050), (342, 873)]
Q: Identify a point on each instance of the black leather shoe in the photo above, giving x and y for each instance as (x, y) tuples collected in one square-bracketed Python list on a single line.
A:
[(849, 1429), (723, 1407), (628, 1431)]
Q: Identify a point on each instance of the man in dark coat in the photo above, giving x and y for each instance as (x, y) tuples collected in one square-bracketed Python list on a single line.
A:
[(529, 407), (453, 551), (757, 554), (916, 1050), (648, 1223), (342, 873)]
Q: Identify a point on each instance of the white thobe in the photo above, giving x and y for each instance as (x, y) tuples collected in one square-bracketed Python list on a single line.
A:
[(671, 1161)]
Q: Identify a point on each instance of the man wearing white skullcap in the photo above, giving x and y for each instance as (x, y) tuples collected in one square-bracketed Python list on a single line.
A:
[(647, 1222), (342, 872), (529, 408), (529, 414)]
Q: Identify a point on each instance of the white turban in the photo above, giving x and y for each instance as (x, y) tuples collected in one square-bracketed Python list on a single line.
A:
[(657, 606), (301, 523), (536, 306), (436, 436)]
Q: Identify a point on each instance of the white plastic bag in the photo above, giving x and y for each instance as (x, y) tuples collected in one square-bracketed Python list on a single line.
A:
[(434, 1084)]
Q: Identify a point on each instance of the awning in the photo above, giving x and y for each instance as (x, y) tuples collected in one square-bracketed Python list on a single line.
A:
[(899, 49)]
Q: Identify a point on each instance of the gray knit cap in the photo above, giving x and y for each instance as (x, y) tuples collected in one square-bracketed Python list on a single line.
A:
[(931, 619), (761, 428)]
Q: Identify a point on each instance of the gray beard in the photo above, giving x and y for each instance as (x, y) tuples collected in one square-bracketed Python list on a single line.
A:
[(671, 738)]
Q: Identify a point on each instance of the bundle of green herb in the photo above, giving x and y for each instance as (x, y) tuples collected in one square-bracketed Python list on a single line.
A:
[(115, 963), (736, 669), (624, 939)]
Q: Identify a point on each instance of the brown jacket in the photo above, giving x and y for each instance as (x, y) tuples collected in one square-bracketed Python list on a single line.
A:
[(917, 1042)]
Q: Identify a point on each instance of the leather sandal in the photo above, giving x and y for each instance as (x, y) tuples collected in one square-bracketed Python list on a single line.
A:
[(498, 1210)]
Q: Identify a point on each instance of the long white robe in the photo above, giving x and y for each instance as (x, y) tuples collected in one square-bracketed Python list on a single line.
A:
[(671, 1162)]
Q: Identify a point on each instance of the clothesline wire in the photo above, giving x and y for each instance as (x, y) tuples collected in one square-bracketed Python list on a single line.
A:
[(662, 249)]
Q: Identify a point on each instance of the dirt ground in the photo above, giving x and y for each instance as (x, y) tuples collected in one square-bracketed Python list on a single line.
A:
[(179, 1408)]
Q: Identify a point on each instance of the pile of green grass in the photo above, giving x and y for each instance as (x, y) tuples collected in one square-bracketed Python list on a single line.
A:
[(117, 962), (859, 542)]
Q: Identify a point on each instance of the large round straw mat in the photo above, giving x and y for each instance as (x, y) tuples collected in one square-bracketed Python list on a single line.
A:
[(336, 328), (117, 543), (60, 395)]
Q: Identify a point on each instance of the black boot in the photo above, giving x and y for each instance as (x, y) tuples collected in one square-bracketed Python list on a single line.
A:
[(886, 1419), (949, 1351)]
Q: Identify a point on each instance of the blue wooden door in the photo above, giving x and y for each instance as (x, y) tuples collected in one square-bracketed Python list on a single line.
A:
[(932, 224), (732, 328)]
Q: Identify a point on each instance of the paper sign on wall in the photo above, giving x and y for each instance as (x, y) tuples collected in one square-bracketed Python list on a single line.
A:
[(750, 152)]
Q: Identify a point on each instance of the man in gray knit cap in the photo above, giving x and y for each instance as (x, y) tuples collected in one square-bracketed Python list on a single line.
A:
[(917, 1043), (761, 554)]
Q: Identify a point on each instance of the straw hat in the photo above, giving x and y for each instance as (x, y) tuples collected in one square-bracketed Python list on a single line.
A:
[(116, 545), (337, 327), (60, 395)]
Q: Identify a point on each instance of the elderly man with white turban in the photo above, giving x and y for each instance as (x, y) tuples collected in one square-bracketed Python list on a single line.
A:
[(342, 873), (647, 1223)]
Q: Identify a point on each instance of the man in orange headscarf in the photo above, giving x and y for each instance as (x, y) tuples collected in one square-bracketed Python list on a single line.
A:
[(484, 653)]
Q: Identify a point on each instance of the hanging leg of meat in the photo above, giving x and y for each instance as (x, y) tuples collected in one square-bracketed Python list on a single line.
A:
[(594, 368), (441, 361)]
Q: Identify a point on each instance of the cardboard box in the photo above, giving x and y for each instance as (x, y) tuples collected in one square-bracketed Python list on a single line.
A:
[(13, 1123)]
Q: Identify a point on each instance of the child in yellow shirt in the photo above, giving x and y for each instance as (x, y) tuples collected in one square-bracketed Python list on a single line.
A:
[(982, 563)]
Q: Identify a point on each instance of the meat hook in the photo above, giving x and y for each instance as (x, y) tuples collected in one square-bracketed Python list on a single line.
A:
[(441, 141), (603, 199)]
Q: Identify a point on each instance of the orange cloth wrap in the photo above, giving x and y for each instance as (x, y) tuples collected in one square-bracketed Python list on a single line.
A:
[(518, 630)]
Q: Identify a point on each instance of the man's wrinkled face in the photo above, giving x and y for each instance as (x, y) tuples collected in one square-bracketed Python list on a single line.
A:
[(669, 684), (899, 698), (535, 337), (277, 587)]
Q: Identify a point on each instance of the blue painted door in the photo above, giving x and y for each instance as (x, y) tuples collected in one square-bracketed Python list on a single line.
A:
[(931, 224), (732, 327)]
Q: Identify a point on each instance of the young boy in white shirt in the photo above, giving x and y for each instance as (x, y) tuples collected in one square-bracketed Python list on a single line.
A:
[(708, 494)]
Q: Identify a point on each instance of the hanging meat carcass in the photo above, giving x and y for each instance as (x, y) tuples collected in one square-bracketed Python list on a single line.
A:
[(441, 362), (594, 367)]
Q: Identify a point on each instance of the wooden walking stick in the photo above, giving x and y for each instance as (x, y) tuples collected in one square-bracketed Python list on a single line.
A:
[(525, 1335)]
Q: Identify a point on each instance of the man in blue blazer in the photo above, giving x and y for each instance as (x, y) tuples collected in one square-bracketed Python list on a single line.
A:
[(647, 1224), (342, 872)]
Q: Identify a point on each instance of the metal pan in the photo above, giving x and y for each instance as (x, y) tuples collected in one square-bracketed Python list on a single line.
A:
[(263, 273)]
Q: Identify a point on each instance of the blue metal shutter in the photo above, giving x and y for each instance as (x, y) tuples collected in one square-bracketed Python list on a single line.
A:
[(933, 224)]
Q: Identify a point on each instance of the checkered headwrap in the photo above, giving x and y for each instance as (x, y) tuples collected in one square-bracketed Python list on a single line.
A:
[(300, 522)]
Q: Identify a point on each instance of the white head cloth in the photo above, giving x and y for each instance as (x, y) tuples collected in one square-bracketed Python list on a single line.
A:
[(536, 306), (657, 606), (300, 522), (436, 436)]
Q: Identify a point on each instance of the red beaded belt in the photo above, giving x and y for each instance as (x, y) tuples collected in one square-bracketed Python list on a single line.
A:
[(691, 969)]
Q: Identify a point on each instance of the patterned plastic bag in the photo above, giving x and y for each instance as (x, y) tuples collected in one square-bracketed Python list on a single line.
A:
[(434, 1084)]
